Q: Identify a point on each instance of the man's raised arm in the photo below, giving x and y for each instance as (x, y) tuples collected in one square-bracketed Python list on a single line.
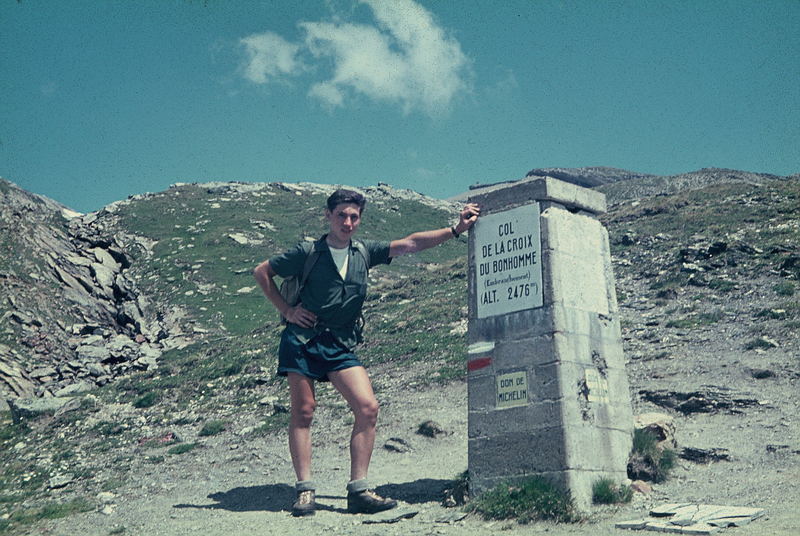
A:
[(428, 239)]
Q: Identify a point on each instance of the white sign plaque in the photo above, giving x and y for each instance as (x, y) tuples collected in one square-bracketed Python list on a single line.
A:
[(597, 386), (508, 265), (512, 390)]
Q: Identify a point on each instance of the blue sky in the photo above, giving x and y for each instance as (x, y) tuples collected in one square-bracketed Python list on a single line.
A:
[(103, 99)]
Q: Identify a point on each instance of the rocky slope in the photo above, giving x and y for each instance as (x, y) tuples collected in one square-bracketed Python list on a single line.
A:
[(648, 186), (72, 317)]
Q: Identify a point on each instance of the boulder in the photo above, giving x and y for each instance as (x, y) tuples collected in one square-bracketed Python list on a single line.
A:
[(93, 353), (145, 363), (105, 258), (75, 389), (105, 278), (97, 370), (33, 408), (15, 378), (92, 340), (274, 405), (661, 425), (148, 351), (43, 372), (121, 344), (59, 481)]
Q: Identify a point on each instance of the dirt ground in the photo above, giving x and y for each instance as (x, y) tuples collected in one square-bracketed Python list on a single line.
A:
[(234, 486)]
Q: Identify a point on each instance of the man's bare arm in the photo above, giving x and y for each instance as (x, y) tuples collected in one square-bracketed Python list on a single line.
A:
[(427, 239), (297, 314)]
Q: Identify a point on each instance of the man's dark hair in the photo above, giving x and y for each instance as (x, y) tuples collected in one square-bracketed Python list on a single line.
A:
[(346, 196)]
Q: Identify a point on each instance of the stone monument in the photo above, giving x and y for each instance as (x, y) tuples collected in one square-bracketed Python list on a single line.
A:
[(548, 392)]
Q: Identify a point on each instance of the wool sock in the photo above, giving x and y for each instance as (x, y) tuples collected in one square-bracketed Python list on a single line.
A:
[(357, 486), (305, 485)]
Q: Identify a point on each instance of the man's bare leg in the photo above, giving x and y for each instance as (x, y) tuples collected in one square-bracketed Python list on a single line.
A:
[(356, 388), (303, 401), (353, 383)]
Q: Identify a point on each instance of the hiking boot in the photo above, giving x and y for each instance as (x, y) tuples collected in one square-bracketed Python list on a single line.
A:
[(305, 505), (368, 502)]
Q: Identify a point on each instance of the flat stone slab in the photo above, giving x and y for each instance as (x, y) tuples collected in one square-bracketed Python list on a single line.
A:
[(541, 189), (33, 408), (692, 518)]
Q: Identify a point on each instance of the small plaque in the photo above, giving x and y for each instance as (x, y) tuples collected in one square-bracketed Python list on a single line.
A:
[(507, 261), (597, 386), (512, 390)]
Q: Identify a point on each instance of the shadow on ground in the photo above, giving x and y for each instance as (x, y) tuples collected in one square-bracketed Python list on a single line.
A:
[(270, 498), (419, 491), (279, 497)]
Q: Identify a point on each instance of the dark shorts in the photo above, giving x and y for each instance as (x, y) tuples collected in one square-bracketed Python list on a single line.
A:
[(314, 359)]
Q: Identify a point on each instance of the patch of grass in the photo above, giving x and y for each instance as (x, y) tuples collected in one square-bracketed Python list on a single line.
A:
[(681, 323), (212, 428), (722, 285), (398, 330), (182, 421), (784, 288), (606, 491), (276, 423), (671, 281), (186, 372), (160, 442), (457, 493), (106, 428), (449, 373), (647, 460), (249, 383), (772, 314), (758, 344), (27, 517), (711, 317), (530, 499), (113, 483), (696, 321), (10, 431), (147, 401), (183, 448)]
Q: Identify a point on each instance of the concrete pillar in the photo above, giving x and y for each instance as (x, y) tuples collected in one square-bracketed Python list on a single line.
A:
[(548, 392)]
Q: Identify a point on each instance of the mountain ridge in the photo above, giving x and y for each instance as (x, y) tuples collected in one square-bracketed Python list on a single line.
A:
[(621, 184)]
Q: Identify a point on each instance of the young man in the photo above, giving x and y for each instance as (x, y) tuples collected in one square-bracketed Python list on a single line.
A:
[(322, 330)]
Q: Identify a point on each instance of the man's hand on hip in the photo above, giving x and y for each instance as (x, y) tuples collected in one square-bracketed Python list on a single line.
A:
[(301, 316)]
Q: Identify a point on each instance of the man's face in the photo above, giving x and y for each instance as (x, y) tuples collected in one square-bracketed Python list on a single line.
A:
[(343, 221)]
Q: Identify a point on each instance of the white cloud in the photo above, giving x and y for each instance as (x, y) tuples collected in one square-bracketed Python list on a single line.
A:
[(404, 58), (269, 56)]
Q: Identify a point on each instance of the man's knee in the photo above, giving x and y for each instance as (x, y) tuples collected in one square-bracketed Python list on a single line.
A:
[(303, 413), (368, 410)]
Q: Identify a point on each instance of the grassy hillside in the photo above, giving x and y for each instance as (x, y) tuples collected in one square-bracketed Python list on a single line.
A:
[(208, 240)]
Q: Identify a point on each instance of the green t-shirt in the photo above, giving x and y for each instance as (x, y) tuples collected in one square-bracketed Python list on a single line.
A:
[(337, 302)]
